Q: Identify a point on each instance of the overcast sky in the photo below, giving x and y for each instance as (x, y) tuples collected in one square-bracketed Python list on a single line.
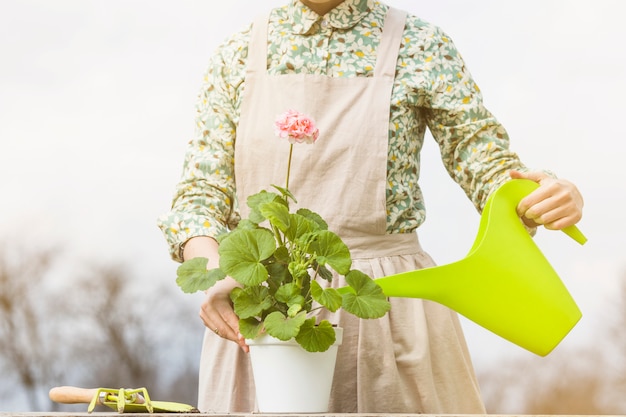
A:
[(97, 103)]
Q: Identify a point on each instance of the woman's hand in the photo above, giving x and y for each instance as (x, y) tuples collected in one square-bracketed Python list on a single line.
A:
[(218, 315), (556, 204), (216, 310)]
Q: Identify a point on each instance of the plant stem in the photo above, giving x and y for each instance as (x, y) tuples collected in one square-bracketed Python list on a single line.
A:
[(289, 166), (277, 234)]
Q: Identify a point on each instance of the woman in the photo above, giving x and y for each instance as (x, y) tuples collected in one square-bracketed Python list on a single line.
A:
[(373, 79)]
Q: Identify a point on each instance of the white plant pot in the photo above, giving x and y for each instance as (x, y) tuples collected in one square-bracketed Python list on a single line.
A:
[(289, 379)]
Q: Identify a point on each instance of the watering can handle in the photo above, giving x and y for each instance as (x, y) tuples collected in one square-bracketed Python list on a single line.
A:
[(527, 186)]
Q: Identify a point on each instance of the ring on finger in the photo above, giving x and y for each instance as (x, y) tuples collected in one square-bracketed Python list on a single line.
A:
[(217, 331)]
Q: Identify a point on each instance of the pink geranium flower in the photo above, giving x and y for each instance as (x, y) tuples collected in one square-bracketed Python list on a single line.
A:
[(296, 127)]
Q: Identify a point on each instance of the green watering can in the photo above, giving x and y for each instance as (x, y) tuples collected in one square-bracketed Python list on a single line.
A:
[(504, 284)]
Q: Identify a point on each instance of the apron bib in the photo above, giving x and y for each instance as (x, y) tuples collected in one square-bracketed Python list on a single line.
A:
[(343, 175)]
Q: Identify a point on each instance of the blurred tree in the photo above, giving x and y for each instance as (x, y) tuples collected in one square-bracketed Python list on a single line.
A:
[(614, 344), (129, 327), (113, 343), (93, 328), (26, 353), (561, 384)]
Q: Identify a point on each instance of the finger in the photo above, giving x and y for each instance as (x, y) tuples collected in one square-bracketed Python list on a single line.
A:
[(551, 217), (225, 330), (563, 222), (232, 320), (219, 327), (537, 204), (243, 345), (218, 316), (559, 224), (558, 218), (550, 194), (562, 216), (213, 320), (230, 324), (537, 176), (536, 196), (555, 212)]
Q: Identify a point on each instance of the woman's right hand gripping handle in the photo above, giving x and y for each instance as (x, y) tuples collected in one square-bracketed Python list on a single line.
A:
[(216, 311)]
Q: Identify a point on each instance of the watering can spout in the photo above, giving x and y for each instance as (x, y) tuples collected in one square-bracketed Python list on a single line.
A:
[(505, 284)]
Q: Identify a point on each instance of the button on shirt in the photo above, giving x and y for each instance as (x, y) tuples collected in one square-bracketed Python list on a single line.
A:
[(432, 89)]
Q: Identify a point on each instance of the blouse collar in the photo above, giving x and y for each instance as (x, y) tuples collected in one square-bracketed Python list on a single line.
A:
[(344, 16)]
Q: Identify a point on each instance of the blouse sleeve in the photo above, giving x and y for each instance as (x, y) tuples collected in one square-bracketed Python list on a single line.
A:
[(204, 199), (474, 145)]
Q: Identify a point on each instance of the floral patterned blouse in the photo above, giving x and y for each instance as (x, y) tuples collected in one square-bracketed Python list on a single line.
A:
[(433, 89)]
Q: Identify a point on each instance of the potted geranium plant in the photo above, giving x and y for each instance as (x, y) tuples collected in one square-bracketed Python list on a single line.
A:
[(277, 256)]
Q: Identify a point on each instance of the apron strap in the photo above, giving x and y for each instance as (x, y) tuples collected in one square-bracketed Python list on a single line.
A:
[(257, 46), (390, 43)]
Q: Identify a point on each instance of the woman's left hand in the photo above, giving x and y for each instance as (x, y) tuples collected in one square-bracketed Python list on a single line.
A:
[(556, 204)]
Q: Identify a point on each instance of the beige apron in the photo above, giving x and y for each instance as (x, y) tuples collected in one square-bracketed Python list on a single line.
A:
[(413, 360)]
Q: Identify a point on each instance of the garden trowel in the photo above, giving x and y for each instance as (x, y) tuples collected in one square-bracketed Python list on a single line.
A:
[(121, 400)]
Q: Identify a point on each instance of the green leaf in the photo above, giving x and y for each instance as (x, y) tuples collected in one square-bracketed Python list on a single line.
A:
[(316, 338), (287, 292), (193, 276), (245, 224), (255, 200), (241, 255), (322, 271), (331, 250), (284, 328), (314, 217), (250, 328), (250, 301), (285, 193), (282, 254), (300, 226), (276, 213), (279, 274), (368, 300), (224, 235), (294, 309), (329, 298)]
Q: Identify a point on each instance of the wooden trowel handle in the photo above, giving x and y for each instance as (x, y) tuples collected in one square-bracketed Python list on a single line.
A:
[(72, 395)]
